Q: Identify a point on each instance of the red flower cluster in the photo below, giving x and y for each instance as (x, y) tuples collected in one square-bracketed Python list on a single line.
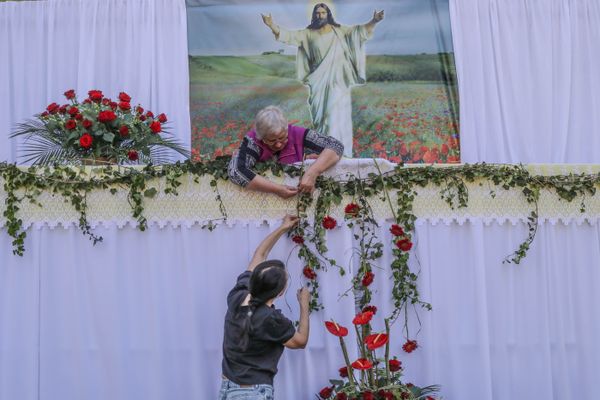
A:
[(309, 273), (352, 210), (410, 346), (329, 222), (395, 365), (404, 243), (326, 392), (298, 239), (344, 372), (368, 278)]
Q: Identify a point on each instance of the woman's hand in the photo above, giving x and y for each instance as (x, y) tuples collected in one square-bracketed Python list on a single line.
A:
[(285, 192), (307, 183), (289, 221), (303, 296)]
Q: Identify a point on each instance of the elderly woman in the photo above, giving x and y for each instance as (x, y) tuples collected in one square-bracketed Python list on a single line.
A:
[(274, 139)]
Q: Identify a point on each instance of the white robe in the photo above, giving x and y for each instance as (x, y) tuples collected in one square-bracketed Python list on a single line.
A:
[(330, 64)]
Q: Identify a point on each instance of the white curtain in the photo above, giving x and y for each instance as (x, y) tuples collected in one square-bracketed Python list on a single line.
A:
[(141, 314), (136, 46), (528, 81)]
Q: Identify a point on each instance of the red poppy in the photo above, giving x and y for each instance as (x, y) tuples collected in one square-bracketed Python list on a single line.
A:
[(351, 210), (362, 364), (336, 330), (326, 392), (404, 244), (329, 223), (395, 365), (410, 346), (370, 308), (344, 372), (309, 273), (376, 340), (368, 278), (362, 318), (397, 230), (298, 239)]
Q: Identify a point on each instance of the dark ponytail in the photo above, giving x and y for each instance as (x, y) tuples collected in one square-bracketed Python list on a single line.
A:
[(267, 280)]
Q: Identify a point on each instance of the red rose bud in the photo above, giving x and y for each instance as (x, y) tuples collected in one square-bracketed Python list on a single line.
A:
[(105, 102), (79, 117), (362, 318), (44, 114), (410, 346), (298, 239), (326, 392), (397, 230), (309, 273), (336, 330), (63, 109), (395, 365), (87, 101), (368, 278), (351, 210), (87, 123), (155, 127), (85, 140), (373, 309), (142, 118), (139, 110), (113, 105), (329, 223), (124, 131), (95, 95), (124, 97), (362, 364), (106, 116), (341, 396), (409, 385), (70, 125), (132, 155), (344, 372), (368, 395), (150, 114), (124, 106), (404, 244), (376, 340), (70, 94), (162, 118), (73, 111), (53, 108)]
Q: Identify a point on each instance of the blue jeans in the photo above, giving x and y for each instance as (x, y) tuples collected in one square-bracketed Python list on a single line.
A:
[(233, 391)]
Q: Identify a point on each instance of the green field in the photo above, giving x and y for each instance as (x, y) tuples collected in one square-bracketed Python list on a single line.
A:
[(402, 113)]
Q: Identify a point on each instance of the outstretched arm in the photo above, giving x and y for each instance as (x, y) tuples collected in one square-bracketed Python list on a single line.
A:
[(268, 20), (264, 248), (377, 17)]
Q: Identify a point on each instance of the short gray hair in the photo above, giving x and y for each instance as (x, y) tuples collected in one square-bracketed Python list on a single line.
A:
[(269, 120)]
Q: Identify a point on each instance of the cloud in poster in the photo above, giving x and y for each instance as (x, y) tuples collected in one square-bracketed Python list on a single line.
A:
[(234, 27)]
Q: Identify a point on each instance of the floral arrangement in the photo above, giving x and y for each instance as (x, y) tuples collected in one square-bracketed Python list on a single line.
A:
[(97, 130), (372, 377)]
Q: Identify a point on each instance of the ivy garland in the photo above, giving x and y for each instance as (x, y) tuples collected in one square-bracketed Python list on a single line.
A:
[(74, 185)]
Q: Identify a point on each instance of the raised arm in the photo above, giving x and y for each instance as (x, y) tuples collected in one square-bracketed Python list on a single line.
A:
[(264, 248), (268, 20), (377, 17), (300, 338)]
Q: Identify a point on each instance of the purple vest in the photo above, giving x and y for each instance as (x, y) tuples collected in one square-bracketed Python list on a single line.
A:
[(291, 153)]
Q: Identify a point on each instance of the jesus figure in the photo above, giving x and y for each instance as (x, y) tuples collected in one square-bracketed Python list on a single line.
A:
[(330, 61)]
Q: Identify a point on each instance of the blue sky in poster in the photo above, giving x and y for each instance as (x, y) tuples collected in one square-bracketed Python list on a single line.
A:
[(234, 27)]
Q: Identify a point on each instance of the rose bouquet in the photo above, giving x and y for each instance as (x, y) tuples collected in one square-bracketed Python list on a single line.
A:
[(372, 377), (97, 130)]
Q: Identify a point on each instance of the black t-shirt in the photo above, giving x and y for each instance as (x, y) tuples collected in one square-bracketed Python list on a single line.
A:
[(257, 364)]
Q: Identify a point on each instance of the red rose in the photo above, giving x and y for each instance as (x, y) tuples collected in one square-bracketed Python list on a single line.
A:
[(142, 118), (309, 273), (70, 94), (329, 223), (362, 364), (73, 111), (362, 318), (106, 116), (368, 278), (326, 392), (53, 108), (139, 110), (351, 210), (70, 125), (44, 114), (63, 109), (124, 131), (150, 114), (79, 117), (86, 140), (384, 394), (397, 230), (336, 330), (376, 340), (155, 127), (368, 395), (132, 155), (95, 95), (105, 101), (87, 123), (404, 395), (344, 372), (298, 239), (395, 365), (113, 105), (124, 97), (87, 101), (341, 396), (373, 309), (124, 106), (410, 346), (404, 244), (162, 118)]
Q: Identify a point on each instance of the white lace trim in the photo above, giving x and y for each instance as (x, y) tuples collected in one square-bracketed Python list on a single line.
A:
[(196, 204)]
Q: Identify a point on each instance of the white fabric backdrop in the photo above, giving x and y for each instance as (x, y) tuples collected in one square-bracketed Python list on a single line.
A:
[(528, 82), (140, 315), (48, 47)]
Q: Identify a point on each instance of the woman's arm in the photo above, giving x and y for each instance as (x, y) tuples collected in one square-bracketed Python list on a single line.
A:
[(330, 151), (300, 338), (264, 248)]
